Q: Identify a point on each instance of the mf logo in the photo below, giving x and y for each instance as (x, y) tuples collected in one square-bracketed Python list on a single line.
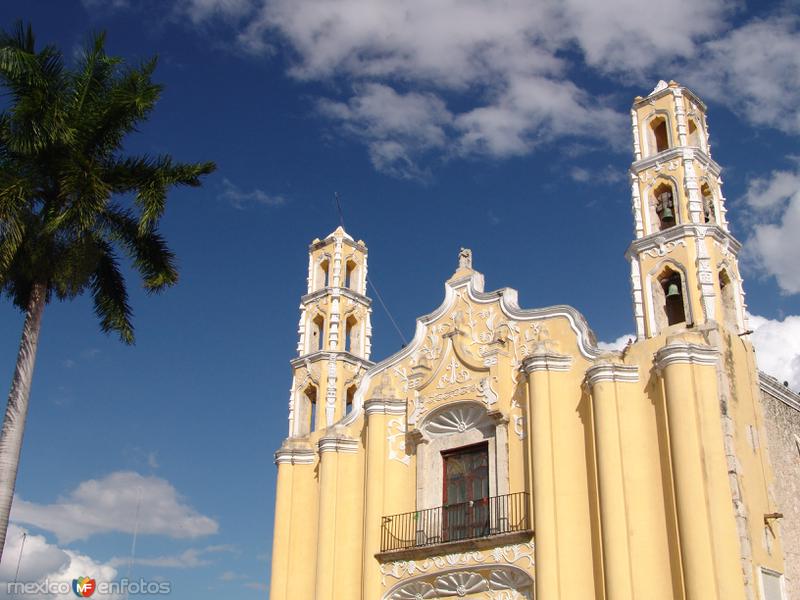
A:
[(83, 587)]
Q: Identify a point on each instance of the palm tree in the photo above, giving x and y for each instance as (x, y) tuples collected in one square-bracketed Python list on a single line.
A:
[(71, 202)]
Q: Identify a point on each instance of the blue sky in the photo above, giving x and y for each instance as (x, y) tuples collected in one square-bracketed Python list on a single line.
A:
[(502, 127)]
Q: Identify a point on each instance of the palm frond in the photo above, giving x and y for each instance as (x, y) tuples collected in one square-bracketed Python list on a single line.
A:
[(110, 295), (148, 250)]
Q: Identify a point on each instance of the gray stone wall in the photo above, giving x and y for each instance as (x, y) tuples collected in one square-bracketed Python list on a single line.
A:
[(782, 416)]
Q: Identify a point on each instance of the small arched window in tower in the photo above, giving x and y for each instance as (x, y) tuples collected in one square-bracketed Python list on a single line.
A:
[(351, 275), (727, 293), (673, 297), (659, 137), (694, 134), (348, 400), (351, 335), (709, 212), (307, 410), (317, 332), (665, 206), (321, 274)]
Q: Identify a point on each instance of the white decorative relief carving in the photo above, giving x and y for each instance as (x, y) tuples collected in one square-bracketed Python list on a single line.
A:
[(454, 374), (488, 395), (396, 440), (520, 555), (416, 590), (456, 419), (663, 247), (492, 582)]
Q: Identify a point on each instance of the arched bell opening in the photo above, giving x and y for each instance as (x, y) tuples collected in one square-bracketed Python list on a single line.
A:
[(658, 134), (664, 206), (674, 308)]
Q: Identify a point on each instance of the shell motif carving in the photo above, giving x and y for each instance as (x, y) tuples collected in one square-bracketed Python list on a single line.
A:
[(417, 590), (461, 583), (508, 579), (456, 419)]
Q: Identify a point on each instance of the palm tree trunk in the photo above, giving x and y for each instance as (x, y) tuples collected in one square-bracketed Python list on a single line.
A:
[(17, 408)]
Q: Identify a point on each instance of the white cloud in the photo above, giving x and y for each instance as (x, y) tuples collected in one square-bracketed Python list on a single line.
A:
[(396, 127), (189, 559), (200, 10), (499, 77), (110, 504), (773, 242), (777, 346), (105, 4), (241, 199), (617, 344), (620, 36), (755, 70), (42, 560), (606, 175), (498, 60)]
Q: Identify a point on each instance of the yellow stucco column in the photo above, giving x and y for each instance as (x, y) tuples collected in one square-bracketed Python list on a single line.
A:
[(541, 469), (295, 522), (377, 410), (330, 447), (688, 372), (349, 524), (280, 536), (603, 379)]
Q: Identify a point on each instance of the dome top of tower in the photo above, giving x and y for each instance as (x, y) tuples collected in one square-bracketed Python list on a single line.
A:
[(664, 87)]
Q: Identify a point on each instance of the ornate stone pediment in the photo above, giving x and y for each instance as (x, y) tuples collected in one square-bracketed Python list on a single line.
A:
[(471, 349)]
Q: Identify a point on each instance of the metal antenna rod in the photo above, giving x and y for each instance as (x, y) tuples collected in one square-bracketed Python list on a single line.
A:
[(339, 208), (19, 560), (133, 544)]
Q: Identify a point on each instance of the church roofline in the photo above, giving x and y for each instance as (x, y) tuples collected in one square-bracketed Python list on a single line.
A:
[(776, 389)]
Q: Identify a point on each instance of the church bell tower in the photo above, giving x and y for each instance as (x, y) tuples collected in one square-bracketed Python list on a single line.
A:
[(334, 334), (684, 265)]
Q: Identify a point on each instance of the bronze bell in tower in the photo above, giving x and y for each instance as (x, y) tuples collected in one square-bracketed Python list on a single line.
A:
[(673, 291)]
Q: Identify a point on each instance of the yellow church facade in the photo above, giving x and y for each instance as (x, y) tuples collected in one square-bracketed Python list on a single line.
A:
[(503, 455)]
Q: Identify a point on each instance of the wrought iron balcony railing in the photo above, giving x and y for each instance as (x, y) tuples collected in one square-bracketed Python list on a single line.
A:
[(456, 522)]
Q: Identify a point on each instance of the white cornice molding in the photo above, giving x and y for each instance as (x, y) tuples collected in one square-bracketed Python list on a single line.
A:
[(295, 456), (776, 389), (325, 355), (607, 371), (337, 443), (547, 361), (385, 406), (686, 353), (678, 232), (677, 153), (332, 290)]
